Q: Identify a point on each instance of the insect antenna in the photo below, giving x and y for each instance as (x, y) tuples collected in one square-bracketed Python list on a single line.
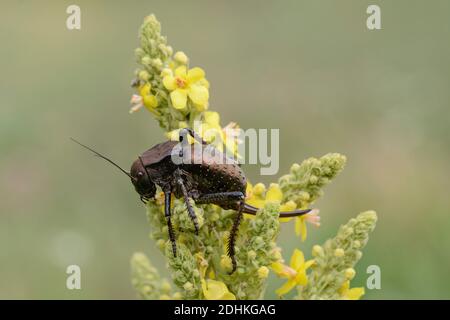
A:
[(103, 157)]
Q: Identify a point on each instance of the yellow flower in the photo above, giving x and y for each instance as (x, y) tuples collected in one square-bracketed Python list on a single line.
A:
[(295, 272), (300, 223), (257, 196), (231, 141), (144, 98), (210, 129), (184, 84), (350, 294), (216, 290)]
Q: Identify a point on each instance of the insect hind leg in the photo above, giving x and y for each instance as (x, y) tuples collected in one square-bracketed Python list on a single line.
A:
[(219, 197), (233, 234)]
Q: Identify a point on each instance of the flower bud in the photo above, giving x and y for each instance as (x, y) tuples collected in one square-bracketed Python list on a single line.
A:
[(181, 57), (157, 63), (304, 196), (259, 189), (263, 272), (169, 50), (350, 273), (161, 244), (339, 252), (225, 262), (146, 60), (143, 75), (188, 286), (317, 251), (313, 179), (166, 72)]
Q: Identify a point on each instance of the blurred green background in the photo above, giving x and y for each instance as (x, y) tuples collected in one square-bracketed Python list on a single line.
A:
[(310, 68)]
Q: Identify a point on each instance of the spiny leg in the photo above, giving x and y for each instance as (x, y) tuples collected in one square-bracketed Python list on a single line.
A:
[(167, 198), (227, 197), (232, 239), (190, 210)]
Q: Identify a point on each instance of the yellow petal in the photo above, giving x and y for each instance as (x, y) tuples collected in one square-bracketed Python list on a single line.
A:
[(288, 286), (150, 101), (344, 288), (355, 293), (228, 296), (201, 107), (212, 118), (212, 134), (297, 260), (300, 227), (195, 74), (169, 82), (173, 135), (145, 89), (179, 98), (256, 202), (304, 230), (309, 263), (203, 82), (198, 94), (180, 71), (279, 269), (259, 189), (274, 193), (301, 278), (216, 290)]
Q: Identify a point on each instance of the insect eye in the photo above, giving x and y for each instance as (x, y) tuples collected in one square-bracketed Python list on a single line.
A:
[(140, 174)]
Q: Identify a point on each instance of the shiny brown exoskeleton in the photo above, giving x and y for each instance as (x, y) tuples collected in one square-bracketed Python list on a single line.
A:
[(203, 174)]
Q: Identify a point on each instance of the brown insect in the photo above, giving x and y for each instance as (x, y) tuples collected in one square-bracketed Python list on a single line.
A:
[(207, 177)]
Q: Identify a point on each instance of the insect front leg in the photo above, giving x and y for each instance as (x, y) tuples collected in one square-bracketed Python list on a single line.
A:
[(185, 131), (167, 198), (190, 209)]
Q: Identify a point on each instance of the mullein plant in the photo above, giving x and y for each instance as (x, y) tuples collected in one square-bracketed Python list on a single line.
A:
[(177, 96)]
